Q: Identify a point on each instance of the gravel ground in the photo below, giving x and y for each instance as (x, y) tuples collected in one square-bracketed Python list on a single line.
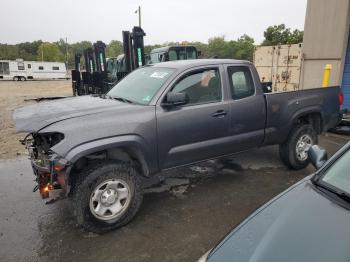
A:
[(16, 94)]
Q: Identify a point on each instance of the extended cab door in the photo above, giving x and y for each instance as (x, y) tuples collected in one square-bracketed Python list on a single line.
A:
[(198, 130), (247, 107)]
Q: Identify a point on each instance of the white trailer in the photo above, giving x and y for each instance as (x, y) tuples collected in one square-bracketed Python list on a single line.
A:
[(22, 70)]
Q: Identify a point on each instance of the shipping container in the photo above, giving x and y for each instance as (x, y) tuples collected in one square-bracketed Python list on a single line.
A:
[(281, 65)]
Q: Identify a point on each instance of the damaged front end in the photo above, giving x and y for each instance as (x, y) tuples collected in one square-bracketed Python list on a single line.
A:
[(49, 168)]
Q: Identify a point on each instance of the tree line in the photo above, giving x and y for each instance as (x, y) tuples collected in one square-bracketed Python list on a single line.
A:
[(241, 48)]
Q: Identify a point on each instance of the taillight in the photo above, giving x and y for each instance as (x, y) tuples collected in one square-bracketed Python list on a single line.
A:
[(341, 98)]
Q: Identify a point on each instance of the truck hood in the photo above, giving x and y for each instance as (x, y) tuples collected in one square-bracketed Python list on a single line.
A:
[(35, 117), (299, 225)]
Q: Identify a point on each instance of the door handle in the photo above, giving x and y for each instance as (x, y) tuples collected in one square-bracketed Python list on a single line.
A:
[(219, 113)]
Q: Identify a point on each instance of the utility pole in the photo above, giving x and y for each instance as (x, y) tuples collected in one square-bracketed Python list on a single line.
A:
[(66, 53), (139, 16), (138, 11)]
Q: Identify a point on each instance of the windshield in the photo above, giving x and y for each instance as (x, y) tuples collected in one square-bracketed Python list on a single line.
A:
[(141, 85), (173, 54), (182, 53), (338, 174)]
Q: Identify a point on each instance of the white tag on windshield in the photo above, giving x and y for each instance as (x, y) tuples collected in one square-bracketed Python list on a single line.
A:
[(159, 74)]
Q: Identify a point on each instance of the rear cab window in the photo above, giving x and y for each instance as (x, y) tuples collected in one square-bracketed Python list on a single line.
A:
[(240, 81), (191, 53)]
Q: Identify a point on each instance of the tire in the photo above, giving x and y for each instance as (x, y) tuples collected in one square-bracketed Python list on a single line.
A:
[(90, 186), (15, 78), (293, 153), (22, 78)]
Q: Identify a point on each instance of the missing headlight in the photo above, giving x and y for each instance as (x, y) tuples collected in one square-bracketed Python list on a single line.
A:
[(47, 140)]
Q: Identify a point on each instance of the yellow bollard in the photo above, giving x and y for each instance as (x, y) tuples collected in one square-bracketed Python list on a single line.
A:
[(326, 74)]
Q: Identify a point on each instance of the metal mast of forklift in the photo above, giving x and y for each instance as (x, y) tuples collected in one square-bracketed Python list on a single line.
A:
[(138, 11)]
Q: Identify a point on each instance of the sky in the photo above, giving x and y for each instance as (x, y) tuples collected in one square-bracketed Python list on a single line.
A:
[(162, 20)]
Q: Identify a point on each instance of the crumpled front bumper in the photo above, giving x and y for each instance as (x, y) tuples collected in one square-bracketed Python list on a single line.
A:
[(51, 179)]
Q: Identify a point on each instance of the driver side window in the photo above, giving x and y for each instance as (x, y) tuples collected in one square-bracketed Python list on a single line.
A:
[(202, 86)]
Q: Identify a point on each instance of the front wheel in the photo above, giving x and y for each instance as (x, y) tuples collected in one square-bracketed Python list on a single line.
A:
[(107, 196), (294, 152)]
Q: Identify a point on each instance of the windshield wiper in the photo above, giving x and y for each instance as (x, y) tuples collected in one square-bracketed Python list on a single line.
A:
[(122, 99), (343, 195), (339, 193)]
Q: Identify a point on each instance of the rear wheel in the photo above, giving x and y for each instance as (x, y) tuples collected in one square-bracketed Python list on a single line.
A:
[(294, 152), (15, 78), (107, 196)]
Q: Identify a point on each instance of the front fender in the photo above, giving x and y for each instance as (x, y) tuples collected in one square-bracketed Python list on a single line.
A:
[(126, 141)]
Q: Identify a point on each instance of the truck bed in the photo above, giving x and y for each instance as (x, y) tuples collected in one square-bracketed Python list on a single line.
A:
[(284, 108)]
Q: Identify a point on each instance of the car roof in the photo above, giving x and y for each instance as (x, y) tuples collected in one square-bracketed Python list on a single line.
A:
[(182, 64), (160, 49)]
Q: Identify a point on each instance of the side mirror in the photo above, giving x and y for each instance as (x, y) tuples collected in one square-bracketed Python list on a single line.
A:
[(318, 156), (176, 99)]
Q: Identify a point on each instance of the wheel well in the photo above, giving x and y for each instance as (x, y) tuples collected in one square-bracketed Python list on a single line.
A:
[(313, 119), (130, 155)]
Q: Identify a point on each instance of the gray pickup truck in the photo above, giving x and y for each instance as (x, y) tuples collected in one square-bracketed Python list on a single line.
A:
[(97, 150)]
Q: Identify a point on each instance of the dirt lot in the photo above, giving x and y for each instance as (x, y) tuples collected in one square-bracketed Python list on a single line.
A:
[(14, 95)]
